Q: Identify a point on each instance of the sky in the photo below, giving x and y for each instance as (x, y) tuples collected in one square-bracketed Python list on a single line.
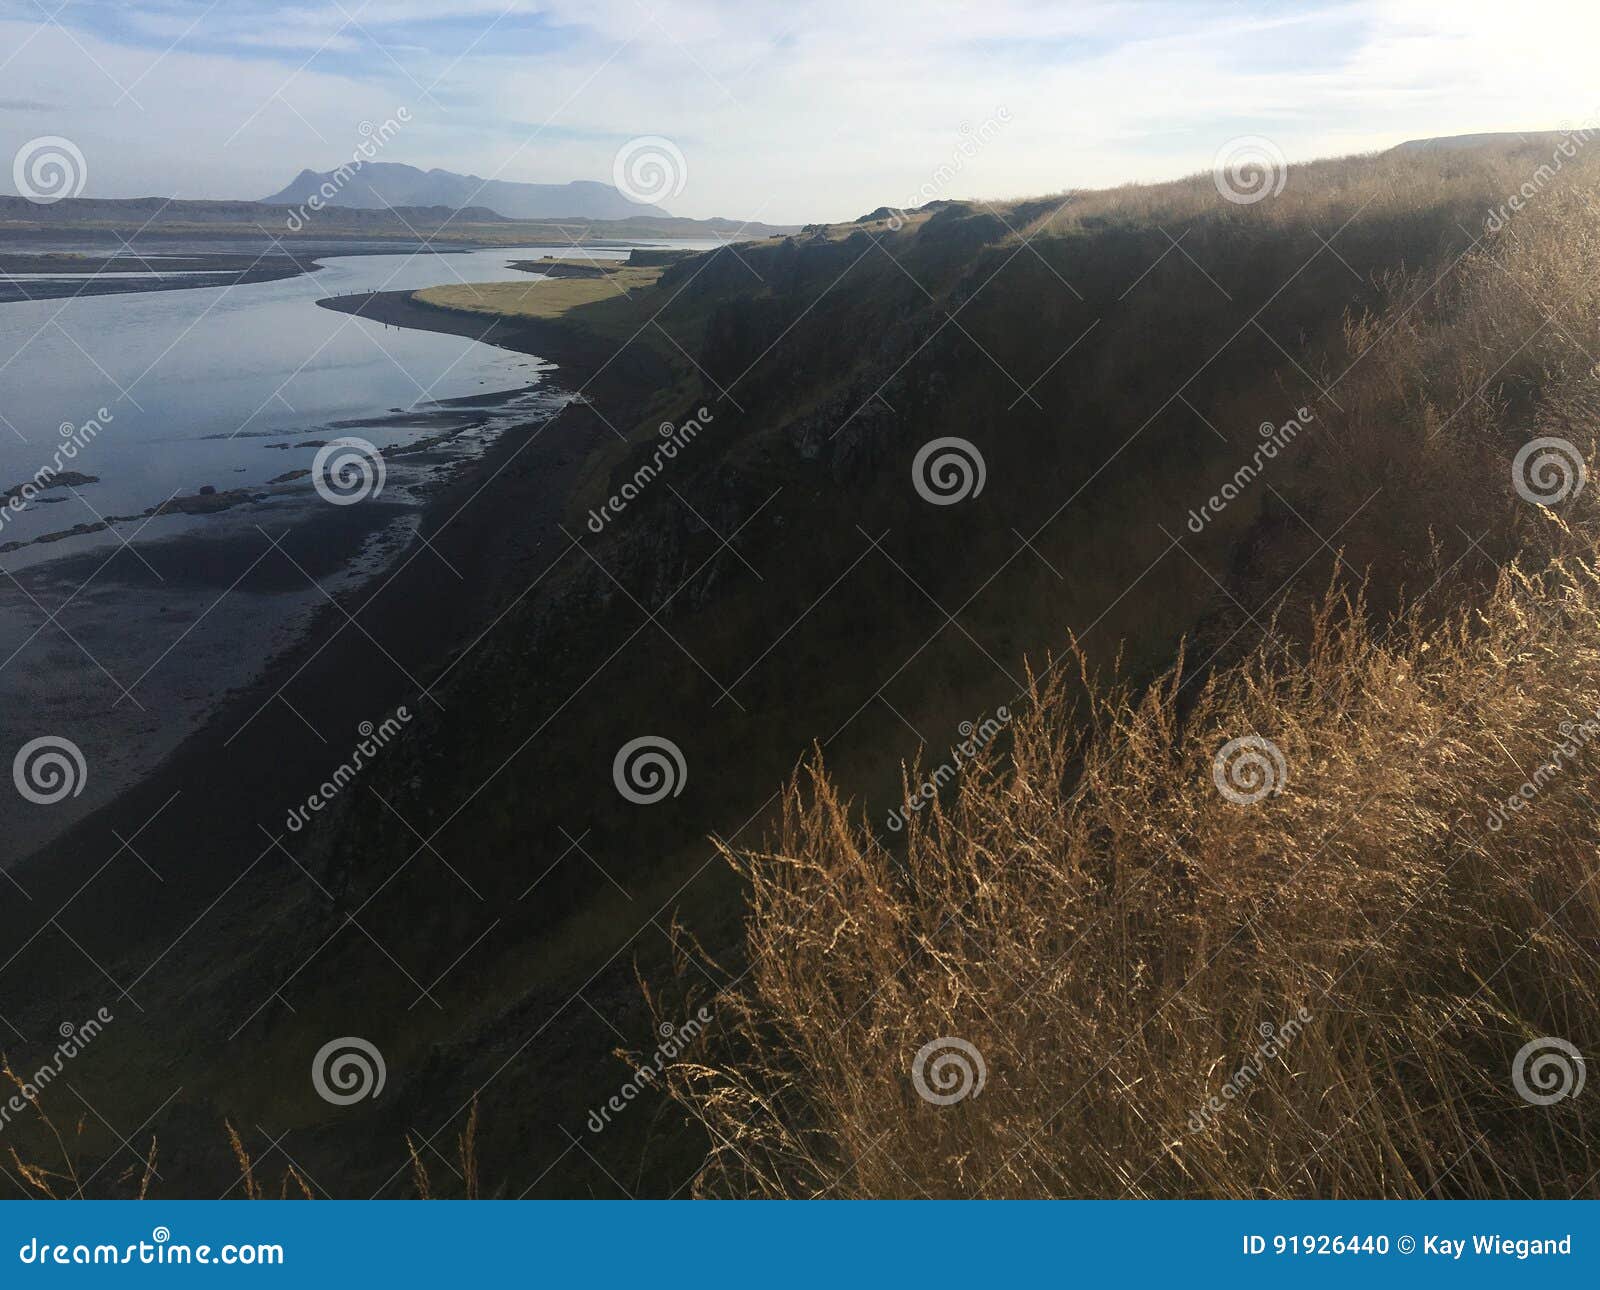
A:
[(784, 111)]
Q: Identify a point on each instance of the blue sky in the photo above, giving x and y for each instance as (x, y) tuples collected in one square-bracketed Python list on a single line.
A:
[(785, 112)]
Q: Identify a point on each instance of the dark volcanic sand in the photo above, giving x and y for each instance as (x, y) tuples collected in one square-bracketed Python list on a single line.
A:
[(139, 906), (539, 336), (82, 275), (268, 745)]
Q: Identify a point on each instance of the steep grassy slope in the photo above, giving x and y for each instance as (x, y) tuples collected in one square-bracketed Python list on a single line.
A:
[(780, 584), (1112, 383), (1318, 922)]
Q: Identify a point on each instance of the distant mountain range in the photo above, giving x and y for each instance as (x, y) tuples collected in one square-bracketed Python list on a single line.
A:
[(1467, 142), (105, 218), (152, 212), (378, 185)]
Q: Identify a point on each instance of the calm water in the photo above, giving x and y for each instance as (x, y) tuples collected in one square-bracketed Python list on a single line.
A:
[(200, 384), (227, 387)]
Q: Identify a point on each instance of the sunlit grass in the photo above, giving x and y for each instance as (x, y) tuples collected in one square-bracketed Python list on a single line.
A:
[(606, 302), (1116, 936)]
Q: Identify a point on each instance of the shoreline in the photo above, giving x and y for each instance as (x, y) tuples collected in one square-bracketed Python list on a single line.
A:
[(593, 364), (189, 888), (556, 342), (493, 516), (70, 276), (73, 274)]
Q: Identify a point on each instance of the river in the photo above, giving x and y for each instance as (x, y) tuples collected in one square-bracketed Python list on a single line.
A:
[(122, 638)]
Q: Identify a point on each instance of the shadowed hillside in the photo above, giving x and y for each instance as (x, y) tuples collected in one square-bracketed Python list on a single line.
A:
[(1318, 922), (816, 569)]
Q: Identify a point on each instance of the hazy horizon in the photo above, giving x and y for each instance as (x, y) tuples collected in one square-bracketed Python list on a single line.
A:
[(554, 92), (1053, 656)]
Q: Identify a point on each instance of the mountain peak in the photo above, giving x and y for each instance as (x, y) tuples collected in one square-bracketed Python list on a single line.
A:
[(377, 185)]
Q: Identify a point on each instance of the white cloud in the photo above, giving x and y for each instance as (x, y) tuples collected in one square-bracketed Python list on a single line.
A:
[(793, 112)]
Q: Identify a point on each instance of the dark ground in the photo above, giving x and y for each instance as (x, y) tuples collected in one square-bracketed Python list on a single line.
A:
[(190, 848)]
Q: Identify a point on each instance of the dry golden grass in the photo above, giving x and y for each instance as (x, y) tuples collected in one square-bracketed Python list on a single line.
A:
[(65, 1180), (253, 1190), (1114, 935), (465, 1168), (1110, 932), (1391, 185), (546, 298)]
